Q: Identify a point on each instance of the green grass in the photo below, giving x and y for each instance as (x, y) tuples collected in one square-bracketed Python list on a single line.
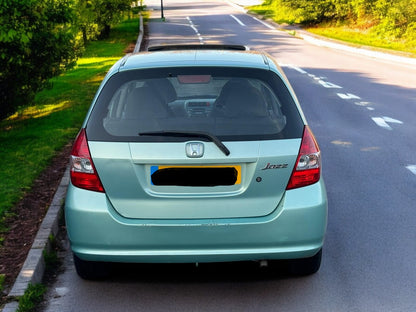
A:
[(30, 138), (280, 15), (51, 256), (31, 298), (354, 34), (362, 37), (2, 279)]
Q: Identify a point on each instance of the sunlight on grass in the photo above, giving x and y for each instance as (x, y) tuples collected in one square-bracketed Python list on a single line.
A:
[(94, 61), (360, 37), (362, 33), (38, 111), (30, 138)]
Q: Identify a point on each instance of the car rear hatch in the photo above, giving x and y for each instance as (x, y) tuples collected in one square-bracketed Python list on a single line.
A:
[(159, 180), (195, 142)]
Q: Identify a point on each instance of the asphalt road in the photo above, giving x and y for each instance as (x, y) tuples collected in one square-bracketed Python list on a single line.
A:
[(362, 111)]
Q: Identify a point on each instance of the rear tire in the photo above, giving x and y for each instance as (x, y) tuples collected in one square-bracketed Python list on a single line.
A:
[(305, 266), (91, 270)]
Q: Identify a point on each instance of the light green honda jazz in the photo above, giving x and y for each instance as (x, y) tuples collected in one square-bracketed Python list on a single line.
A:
[(193, 154)]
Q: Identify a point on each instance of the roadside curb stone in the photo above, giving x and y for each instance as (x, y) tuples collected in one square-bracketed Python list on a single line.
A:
[(34, 266), (11, 307), (140, 37)]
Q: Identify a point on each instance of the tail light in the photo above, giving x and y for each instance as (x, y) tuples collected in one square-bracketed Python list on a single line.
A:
[(83, 173), (307, 170)]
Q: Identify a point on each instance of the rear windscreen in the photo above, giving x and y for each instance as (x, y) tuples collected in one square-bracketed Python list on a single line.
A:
[(229, 103)]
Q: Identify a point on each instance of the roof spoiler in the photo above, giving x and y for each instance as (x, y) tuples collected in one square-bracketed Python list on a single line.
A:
[(178, 47)]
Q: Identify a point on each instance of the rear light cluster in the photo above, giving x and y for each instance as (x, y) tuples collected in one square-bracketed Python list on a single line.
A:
[(83, 173), (307, 170)]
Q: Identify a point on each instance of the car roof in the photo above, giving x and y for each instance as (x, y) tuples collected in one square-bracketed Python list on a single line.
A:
[(184, 56)]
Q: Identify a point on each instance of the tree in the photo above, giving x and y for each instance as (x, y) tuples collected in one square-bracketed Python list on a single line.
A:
[(108, 13), (396, 19), (86, 20), (312, 11), (37, 42)]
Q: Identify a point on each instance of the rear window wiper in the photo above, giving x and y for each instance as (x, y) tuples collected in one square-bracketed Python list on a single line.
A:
[(193, 134)]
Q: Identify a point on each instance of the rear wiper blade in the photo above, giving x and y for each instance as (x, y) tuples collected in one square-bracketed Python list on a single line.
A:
[(193, 134)]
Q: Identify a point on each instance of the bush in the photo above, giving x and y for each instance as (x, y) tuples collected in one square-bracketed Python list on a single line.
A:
[(39, 39), (391, 20), (37, 42)]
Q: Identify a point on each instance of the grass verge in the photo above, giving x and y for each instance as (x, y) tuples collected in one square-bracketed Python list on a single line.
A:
[(33, 135), (351, 33), (362, 37)]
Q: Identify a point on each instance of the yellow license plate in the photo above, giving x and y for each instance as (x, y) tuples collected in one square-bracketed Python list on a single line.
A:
[(196, 175)]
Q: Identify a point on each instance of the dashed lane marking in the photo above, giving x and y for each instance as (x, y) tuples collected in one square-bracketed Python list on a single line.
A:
[(365, 104), (382, 122), (298, 69), (238, 21), (412, 168), (329, 85), (348, 96), (191, 24)]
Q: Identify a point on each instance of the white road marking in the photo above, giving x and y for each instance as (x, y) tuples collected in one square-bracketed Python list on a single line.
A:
[(362, 103), (329, 85), (237, 20), (383, 122), (195, 29), (326, 84), (392, 120), (264, 23), (412, 168), (365, 104), (191, 24), (348, 96), (298, 69), (380, 121)]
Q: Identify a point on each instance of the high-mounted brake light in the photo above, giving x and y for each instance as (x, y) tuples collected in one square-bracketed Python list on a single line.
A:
[(83, 173), (307, 170)]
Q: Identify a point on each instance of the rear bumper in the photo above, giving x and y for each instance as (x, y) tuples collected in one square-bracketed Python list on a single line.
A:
[(295, 229)]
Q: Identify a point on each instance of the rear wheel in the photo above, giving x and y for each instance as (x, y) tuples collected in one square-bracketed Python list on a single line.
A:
[(91, 270), (305, 266)]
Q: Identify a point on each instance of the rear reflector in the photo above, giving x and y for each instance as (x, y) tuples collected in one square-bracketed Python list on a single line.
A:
[(307, 170), (83, 173)]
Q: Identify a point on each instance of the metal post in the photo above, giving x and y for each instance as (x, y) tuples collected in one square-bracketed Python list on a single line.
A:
[(161, 7)]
